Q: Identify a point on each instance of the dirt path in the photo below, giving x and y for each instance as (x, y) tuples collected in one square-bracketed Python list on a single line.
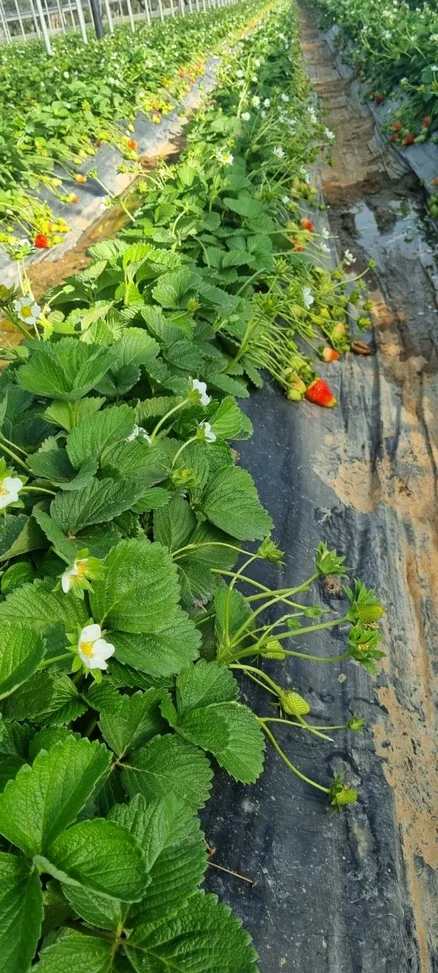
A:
[(355, 894)]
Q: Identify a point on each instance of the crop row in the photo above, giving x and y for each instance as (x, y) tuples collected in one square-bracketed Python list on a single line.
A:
[(123, 625), (65, 106), (394, 44)]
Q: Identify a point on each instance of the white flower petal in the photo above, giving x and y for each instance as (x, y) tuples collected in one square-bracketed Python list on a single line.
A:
[(90, 633), (103, 649), (308, 297), (209, 435), (66, 580)]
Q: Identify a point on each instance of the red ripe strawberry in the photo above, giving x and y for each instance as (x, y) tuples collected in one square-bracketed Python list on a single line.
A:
[(307, 224), (297, 245), (409, 140), (427, 121), (320, 393), (397, 126), (329, 354), (132, 144), (393, 137), (41, 241), (379, 99)]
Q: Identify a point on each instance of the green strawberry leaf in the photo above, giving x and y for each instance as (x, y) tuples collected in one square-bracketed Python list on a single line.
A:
[(45, 798), (136, 719), (98, 432), (100, 855), (21, 911), (174, 523), (65, 370), (203, 937), (244, 517), (21, 651), (72, 952), (161, 653), (139, 591), (174, 850), (166, 765)]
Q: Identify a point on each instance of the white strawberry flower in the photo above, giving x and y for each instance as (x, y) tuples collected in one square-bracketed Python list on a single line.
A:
[(324, 248), (279, 152), (255, 101), (225, 157), (207, 432), (138, 433), (308, 297), (10, 487), (245, 116), (27, 309), (77, 571), (284, 97), (267, 103), (201, 389), (285, 200), (239, 74), (254, 79), (93, 650), (329, 134), (325, 234), (349, 257)]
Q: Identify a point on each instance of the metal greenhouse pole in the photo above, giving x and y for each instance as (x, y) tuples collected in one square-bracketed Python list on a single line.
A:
[(81, 19), (97, 19), (44, 30)]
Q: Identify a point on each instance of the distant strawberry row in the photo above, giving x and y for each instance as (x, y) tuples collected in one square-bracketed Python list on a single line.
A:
[(395, 49)]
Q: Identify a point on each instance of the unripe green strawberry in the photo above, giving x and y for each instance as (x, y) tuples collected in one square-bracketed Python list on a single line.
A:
[(273, 650), (369, 613), (294, 704), (346, 796)]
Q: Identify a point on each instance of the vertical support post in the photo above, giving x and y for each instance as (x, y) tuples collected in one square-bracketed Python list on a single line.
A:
[(44, 30), (130, 15), (97, 19), (109, 17), (147, 11), (81, 19), (34, 18)]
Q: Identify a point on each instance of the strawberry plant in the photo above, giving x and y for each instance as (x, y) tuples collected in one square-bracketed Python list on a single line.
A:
[(68, 105), (129, 613), (395, 48)]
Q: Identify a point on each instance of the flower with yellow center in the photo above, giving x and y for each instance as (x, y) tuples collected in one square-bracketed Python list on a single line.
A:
[(27, 310), (93, 650), (79, 570)]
